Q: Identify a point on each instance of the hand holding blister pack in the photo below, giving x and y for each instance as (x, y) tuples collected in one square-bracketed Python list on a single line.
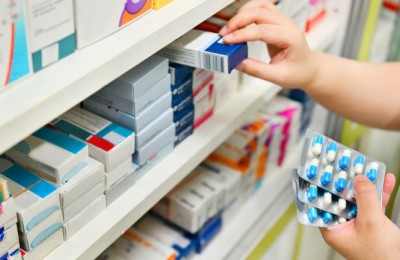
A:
[(323, 181)]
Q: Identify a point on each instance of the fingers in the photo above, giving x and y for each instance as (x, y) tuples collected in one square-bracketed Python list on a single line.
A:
[(337, 236), (268, 5), (261, 70), (369, 208), (388, 187)]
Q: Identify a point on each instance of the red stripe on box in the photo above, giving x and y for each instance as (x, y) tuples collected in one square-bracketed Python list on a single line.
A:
[(101, 143)]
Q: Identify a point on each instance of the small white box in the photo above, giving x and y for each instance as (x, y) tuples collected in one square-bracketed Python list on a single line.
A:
[(225, 87), (77, 206), (9, 238), (8, 218), (13, 252), (68, 155), (119, 188), (204, 102), (138, 105), (35, 199), (108, 143), (124, 169), (83, 181), (84, 217), (45, 247), (136, 124)]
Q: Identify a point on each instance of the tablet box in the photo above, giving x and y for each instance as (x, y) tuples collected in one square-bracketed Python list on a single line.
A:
[(183, 103), (48, 244), (205, 50), (157, 4), (68, 155), (83, 181), (137, 124), (137, 81), (13, 43), (35, 199), (183, 90), (108, 143), (13, 252), (119, 188), (124, 169), (84, 217), (184, 119), (97, 19), (183, 134), (225, 86), (9, 238), (201, 78), (8, 218), (207, 233), (73, 210), (32, 239), (139, 104), (51, 31), (156, 144), (179, 74), (4, 192), (204, 101)]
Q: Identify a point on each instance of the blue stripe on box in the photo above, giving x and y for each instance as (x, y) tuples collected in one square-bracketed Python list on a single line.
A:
[(72, 130), (115, 128), (236, 53), (43, 188), (61, 140), (21, 176)]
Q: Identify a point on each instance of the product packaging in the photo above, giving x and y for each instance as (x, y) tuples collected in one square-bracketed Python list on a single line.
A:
[(157, 4), (124, 169), (9, 239), (119, 188), (48, 244)]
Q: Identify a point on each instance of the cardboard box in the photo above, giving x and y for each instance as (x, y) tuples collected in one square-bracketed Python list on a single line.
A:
[(9, 216), (84, 217), (35, 199), (13, 252), (183, 90), (154, 145), (137, 81), (13, 43), (9, 239), (47, 245), (183, 134), (157, 4), (204, 101), (205, 50), (68, 155), (76, 207), (51, 32), (124, 169), (4, 192), (179, 74), (138, 104), (201, 78), (108, 142), (184, 119), (108, 18), (137, 124), (119, 188), (225, 87), (83, 181), (184, 103)]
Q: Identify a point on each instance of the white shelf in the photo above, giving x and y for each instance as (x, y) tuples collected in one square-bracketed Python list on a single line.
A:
[(40, 98), (128, 208), (323, 35), (241, 234)]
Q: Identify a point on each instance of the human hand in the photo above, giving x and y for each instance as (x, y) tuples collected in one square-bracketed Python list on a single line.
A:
[(371, 235), (292, 64)]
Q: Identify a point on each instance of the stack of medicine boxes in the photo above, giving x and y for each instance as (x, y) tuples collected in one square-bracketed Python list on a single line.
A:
[(9, 243), (203, 95), (141, 101), (110, 144)]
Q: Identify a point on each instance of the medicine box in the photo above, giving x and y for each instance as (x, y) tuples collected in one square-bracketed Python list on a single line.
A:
[(35, 199), (205, 235), (184, 119), (182, 91), (13, 43), (204, 101), (137, 124), (225, 87), (68, 155), (183, 134), (4, 193), (205, 50), (137, 106), (84, 217), (154, 145), (140, 79), (117, 189), (98, 19), (8, 239), (13, 252), (183, 103), (179, 74), (48, 244), (200, 79), (108, 142), (123, 169), (51, 31), (157, 4), (9, 216), (78, 185)]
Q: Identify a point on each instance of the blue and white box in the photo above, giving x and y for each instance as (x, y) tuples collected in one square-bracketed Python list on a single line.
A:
[(11, 252), (68, 155), (179, 74), (183, 134), (183, 103), (205, 50), (182, 91), (47, 245), (184, 119)]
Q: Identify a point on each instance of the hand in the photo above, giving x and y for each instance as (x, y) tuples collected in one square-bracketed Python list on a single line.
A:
[(371, 235), (292, 63)]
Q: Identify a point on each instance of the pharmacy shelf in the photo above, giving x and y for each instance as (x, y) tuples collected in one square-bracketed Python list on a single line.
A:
[(323, 35), (246, 229), (134, 203), (34, 101)]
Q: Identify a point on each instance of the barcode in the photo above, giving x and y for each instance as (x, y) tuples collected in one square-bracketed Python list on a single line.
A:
[(213, 62)]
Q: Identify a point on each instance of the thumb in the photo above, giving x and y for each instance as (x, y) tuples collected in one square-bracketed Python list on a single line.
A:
[(368, 205), (260, 70)]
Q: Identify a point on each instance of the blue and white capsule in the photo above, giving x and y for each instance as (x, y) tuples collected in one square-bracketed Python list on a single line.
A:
[(341, 205), (353, 211), (330, 152), (312, 170), (316, 145), (327, 199), (326, 177), (327, 217), (340, 184), (342, 220), (344, 160), (312, 214), (350, 192), (358, 164), (312, 193), (372, 172)]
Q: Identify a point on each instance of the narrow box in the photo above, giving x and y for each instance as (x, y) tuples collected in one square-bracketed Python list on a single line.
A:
[(179, 74), (184, 102), (184, 119), (204, 101), (48, 244), (9, 238), (4, 192), (119, 188), (181, 91), (124, 169), (68, 155), (108, 143), (9, 216), (183, 134)]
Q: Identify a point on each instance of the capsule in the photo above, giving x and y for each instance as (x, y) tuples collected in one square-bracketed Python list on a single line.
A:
[(358, 164), (341, 204), (340, 184), (312, 214), (372, 172), (350, 193), (342, 220), (316, 145), (312, 193), (327, 217), (326, 177), (312, 169), (344, 160), (327, 199), (353, 211), (330, 152)]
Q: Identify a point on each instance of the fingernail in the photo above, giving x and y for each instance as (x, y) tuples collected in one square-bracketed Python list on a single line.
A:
[(228, 37), (223, 31)]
